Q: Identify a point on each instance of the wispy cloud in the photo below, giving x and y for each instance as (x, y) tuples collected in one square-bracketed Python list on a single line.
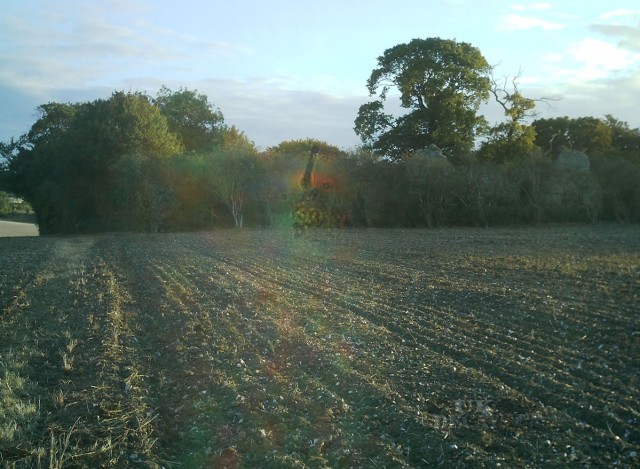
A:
[(629, 36), (620, 12), (553, 57), (621, 24), (587, 61), (87, 42), (532, 6), (616, 96), (70, 50), (270, 111), (599, 58), (514, 22)]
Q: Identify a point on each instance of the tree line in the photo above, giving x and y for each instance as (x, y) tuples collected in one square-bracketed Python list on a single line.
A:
[(134, 162)]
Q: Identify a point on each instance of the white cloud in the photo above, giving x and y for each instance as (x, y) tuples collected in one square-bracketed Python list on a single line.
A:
[(80, 46), (553, 57), (270, 112), (532, 6), (75, 51), (617, 96), (629, 36), (622, 24), (519, 22), (599, 59), (620, 12)]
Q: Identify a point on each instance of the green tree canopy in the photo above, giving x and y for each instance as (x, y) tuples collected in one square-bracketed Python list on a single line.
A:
[(441, 85), (301, 148), (588, 134), (36, 161), (513, 138), (8, 151), (69, 167), (190, 115), (623, 137), (126, 123), (54, 121)]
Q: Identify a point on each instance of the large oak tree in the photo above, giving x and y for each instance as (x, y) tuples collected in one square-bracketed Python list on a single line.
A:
[(441, 84)]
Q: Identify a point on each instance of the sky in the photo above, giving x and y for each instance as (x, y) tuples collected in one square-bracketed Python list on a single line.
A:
[(284, 70)]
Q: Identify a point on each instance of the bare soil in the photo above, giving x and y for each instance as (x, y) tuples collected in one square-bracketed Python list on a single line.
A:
[(353, 348)]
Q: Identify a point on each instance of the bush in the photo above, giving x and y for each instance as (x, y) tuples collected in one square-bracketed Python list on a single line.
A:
[(618, 179), (5, 204)]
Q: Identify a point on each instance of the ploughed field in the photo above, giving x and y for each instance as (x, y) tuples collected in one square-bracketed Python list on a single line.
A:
[(353, 348)]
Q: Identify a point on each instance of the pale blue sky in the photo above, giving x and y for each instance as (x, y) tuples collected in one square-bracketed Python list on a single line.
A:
[(286, 69)]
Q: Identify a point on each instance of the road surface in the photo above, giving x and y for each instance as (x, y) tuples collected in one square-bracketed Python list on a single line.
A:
[(12, 228)]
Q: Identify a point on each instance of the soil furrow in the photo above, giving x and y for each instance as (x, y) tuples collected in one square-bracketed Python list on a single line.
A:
[(354, 348)]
